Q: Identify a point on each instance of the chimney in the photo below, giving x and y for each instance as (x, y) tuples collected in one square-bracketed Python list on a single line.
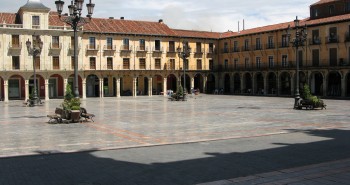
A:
[(243, 25), (238, 27), (121, 18), (160, 21), (111, 17)]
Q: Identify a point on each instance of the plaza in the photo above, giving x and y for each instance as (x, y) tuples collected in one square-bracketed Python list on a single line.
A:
[(145, 129)]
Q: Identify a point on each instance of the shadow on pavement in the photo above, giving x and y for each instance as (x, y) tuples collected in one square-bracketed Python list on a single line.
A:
[(85, 168)]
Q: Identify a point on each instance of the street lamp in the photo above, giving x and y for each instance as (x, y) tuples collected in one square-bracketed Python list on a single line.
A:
[(184, 53), (35, 50), (299, 40), (75, 20)]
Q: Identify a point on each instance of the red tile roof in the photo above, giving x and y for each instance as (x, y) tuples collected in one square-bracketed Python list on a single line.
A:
[(197, 34), (8, 18)]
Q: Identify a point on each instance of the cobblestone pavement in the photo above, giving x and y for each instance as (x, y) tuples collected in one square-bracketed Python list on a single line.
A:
[(148, 121)]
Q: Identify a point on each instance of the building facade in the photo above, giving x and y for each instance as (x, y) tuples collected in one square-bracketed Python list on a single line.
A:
[(119, 57)]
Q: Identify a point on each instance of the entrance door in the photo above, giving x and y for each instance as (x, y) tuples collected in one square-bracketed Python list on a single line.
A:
[(333, 56), (53, 87), (14, 91)]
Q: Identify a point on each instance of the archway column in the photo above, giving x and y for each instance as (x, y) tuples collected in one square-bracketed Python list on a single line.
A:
[(47, 90), (254, 83), (192, 84), (101, 88), (242, 83), (6, 90), (265, 84), (117, 82), (84, 88), (325, 84), (65, 82), (134, 87), (278, 79), (26, 90), (205, 80), (343, 86), (164, 86), (150, 87)]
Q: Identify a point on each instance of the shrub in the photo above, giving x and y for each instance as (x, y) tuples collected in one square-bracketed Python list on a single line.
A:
[(70, 103), (308, 96)]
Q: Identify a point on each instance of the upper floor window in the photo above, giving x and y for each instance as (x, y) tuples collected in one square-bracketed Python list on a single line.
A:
[(226, 64), (171, 46), (142, 44), (15, 41), (235, 46), (15, 63), (225, 47), (109, 43), (246, 44), (211, 48), (199, 47), (331, 9), (55, 41), (270, 42), (284, 41), (258, 44), (35, 20), (157, 45), (92, 43), (314, 12)]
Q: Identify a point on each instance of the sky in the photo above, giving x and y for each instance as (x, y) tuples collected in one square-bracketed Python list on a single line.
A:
[(204, 15)]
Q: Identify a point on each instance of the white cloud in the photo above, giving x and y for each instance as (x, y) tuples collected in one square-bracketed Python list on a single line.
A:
[(209, 15)]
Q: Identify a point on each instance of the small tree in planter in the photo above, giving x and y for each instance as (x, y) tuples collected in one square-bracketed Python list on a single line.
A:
[(309, 99), (70, 103)]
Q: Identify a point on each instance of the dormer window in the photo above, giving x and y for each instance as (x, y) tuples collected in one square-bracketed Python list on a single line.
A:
[(36, 22), (314, 12)]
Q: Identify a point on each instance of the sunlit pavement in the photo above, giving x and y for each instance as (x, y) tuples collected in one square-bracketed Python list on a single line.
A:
[(148, 121), (210, 139)]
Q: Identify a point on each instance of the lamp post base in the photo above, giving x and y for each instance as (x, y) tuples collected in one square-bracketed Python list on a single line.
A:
[(297, 102)]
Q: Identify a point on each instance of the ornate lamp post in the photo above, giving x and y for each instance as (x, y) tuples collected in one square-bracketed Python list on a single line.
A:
[(76, 21), (35, 50), (299, 40), (185, 53)]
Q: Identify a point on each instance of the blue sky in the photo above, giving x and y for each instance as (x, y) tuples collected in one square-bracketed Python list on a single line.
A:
[(206, 15)]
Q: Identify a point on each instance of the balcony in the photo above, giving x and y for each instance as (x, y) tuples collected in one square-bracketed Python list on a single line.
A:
[(157, 50), (211, 51), (125, 48), (109, 47), (235, 50), (55, 46), (245, 48), (270, 46), (91, 47), (71, 48), (283, 44), (141, 49), (257, 47), (332, 39), (225, 50), (199, 51), (17, 46), (315, 41), (171, 50)]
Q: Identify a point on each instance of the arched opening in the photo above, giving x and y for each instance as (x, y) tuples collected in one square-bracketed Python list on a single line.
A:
[(272, 83), (80, 83), (237, 83), (227, 83), (188, 83), (1, 89), (172, 83), (334, 84), (56, 88), (285, 84), (210, 83), (198, 82), (157, 84), (126, 86), (348, 85), (259, 84), (92, 86), (40, 86), (248, 83), (145, 86), (316, 84), (16, 87)]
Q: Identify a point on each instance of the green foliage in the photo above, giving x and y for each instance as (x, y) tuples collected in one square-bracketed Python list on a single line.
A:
[(70, 103), (180, 90), (31, 95), (308, 96), (69, 94)]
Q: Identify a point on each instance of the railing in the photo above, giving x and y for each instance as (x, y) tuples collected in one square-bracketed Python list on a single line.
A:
[(283, 44), (211, 50), (315, 41), (171, 50), (57, 46), (71, 47), (245, 48), (36, 27), (15, 46), (235, 50), (11, 25), (332, 39), (157, 49), (109, 47), (257, 47), (92, 47), (270, 46), (142, 49), (225, 50), (199, 50), (126, 48)]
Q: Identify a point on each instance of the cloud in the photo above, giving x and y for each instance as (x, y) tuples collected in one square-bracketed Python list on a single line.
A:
[(209, 15)]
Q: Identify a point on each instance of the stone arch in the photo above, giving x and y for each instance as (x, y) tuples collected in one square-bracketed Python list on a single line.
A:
[(157, 84), (316, 83), (92, 86), (227, 83), (188, 82), (40, 85), (237, 83), (210, 83), (16, 87), (259, 83), (56, 86), (247, 83), (334, 84), (271, 83), (285, 84), (199, 82), (172, 82)]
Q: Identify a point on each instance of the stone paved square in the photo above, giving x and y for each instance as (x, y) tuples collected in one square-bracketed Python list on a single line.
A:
[(148, 121)]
